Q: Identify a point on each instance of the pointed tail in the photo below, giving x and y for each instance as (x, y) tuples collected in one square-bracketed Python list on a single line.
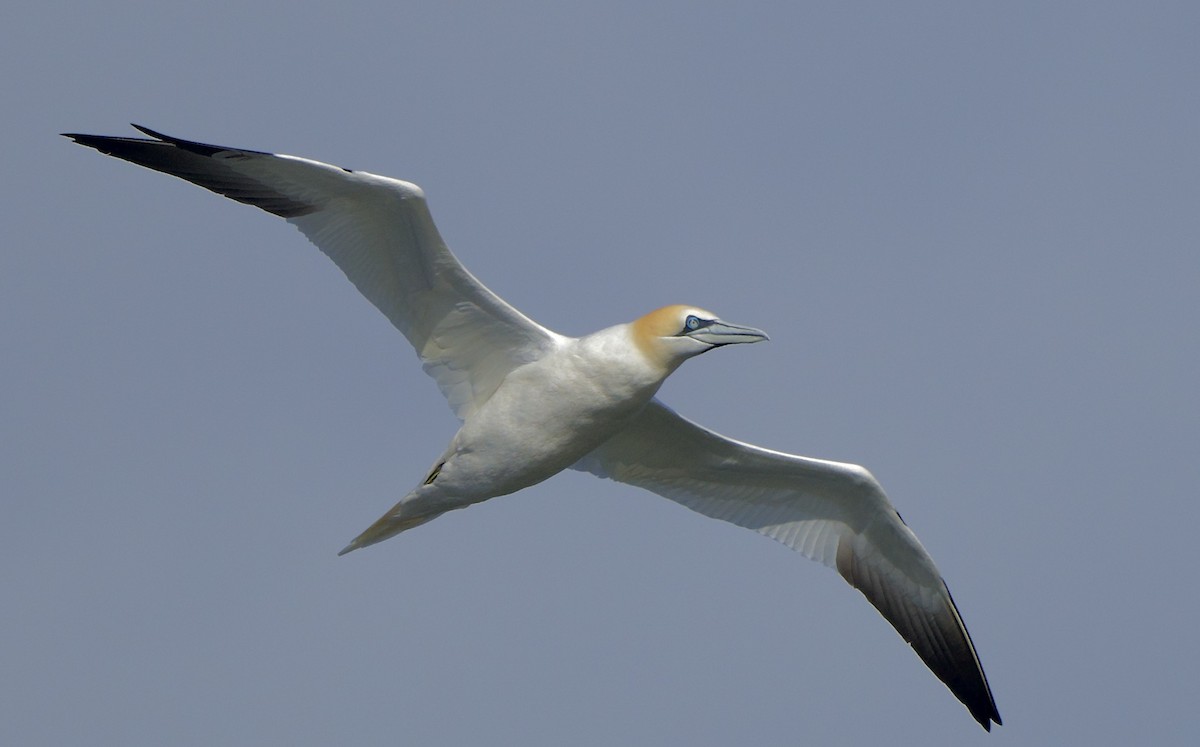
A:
[(388, 525)]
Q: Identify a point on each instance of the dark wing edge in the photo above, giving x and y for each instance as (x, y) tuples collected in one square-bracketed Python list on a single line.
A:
[(936, 633), (192, 162)]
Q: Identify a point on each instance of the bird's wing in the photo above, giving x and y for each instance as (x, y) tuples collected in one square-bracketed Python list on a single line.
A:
[(380, 233), (831, 512)]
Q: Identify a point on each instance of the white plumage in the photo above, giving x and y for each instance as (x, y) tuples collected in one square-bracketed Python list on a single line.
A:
[(534, 402)]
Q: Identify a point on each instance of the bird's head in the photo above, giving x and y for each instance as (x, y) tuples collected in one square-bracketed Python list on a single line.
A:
[(673, 334)]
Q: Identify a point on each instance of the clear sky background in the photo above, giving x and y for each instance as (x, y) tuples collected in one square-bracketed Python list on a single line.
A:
[(971, 229)]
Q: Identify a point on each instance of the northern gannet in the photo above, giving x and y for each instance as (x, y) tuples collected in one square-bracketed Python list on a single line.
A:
[(533, 402)]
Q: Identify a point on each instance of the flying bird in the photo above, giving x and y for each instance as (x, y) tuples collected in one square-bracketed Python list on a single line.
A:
[(534, 403)]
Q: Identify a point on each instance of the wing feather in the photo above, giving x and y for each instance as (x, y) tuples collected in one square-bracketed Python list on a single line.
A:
[(831, 512), (380, 233)]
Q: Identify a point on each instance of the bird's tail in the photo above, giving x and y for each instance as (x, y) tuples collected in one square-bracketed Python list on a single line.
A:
[(388, 525)]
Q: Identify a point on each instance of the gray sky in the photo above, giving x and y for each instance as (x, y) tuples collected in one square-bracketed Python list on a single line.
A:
[(972, 231)]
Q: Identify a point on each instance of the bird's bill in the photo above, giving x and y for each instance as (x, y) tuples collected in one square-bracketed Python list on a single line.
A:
[(724, 333)]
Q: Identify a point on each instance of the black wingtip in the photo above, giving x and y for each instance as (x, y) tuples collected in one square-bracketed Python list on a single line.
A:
[(195, 162), (107, 144), (151, 133), (102, 143), (986, 719), (201, 149), (144, 130), (84, 139)]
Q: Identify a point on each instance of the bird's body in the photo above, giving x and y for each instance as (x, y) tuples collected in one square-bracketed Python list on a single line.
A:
[(534, 403), (548, 414), (545, 416)]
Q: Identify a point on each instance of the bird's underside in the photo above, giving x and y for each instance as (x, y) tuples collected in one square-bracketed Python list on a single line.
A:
[(534, 402)]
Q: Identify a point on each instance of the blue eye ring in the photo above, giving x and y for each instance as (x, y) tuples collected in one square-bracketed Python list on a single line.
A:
[(692, 323)]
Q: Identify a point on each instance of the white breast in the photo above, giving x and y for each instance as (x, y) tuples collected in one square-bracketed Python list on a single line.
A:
[(546, 415)]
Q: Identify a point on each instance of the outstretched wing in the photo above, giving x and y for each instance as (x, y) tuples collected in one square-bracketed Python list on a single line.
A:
[(380, 233), (831, 512)]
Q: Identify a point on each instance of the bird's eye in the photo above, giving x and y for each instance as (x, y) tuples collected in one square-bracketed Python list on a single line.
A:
[(692, 322)]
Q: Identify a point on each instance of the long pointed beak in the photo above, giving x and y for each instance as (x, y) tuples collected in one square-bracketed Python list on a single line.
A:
[(724, 333)]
